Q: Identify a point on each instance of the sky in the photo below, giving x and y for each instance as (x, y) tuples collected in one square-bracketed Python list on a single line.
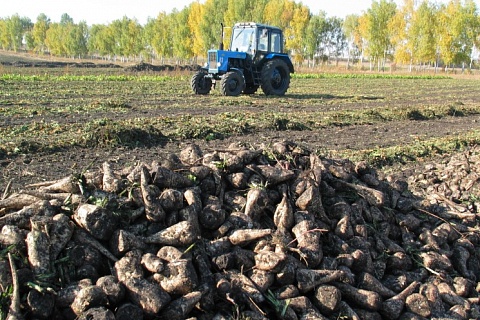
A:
[(105, 11)]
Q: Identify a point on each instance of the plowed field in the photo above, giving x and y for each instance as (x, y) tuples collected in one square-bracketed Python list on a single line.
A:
[(59, 120)]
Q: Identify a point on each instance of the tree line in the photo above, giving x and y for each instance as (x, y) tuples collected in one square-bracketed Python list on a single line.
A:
[(415, 33)]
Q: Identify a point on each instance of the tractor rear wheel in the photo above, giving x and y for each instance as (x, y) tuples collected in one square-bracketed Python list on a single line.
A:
[(200, 83), (275, 77), (232, 83)]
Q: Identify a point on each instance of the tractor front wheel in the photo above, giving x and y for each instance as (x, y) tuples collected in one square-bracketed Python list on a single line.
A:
[(275, 77), (232, 83), (201, 84)]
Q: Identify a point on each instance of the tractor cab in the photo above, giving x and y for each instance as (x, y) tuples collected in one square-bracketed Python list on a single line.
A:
[(252, 38), (255, 58)]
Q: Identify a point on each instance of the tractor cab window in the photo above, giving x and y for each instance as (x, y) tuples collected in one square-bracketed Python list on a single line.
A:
[(243, 40), (276, 41), (263, 40)]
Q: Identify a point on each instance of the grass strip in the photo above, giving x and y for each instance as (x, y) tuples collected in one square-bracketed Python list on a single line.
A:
[(380, 157)]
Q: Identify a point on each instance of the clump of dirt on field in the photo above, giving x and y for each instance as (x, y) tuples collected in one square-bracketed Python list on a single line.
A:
[(246, 233), (56, 64), (143, 66)]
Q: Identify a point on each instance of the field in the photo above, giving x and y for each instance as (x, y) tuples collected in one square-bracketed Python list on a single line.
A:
[(58, 120), (247, 226)]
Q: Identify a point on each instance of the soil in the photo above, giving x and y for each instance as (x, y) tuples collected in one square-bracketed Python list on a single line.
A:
[(32, 168), (26, 169)]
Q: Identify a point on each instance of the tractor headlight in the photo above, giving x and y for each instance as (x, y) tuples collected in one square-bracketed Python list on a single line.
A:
[(218, 64), (206, 64)]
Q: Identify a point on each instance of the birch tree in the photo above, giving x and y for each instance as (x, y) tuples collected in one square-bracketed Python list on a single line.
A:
[(314, 36), (296, 32), (353, 37), (182, 38), (400, 26), (194, 19), (423, 33), (100, 41), (378, 34), (15, 30), (39, 33), (210, 23), (335, 41)]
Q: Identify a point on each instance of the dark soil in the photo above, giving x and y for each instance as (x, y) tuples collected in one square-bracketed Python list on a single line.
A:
[(34, 168)]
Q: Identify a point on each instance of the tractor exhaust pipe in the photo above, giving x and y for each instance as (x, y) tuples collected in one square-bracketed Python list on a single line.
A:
[(220, 47)]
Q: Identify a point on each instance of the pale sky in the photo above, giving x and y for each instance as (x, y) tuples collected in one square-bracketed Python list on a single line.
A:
[(105, 11)]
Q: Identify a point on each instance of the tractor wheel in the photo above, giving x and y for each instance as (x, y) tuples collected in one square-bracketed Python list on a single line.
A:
[(250, 89), (232, 83), (275, 77), (200, 83)]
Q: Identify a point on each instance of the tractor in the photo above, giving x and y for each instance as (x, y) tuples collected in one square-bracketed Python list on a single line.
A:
[(255, 59)]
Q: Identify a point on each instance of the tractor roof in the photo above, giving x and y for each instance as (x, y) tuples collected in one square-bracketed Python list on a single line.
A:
[(254, 25)]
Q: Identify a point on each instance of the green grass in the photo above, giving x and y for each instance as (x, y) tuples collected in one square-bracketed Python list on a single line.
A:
[(364, 76), (96, 78), (140, 131), (103, 77), (380, 157)]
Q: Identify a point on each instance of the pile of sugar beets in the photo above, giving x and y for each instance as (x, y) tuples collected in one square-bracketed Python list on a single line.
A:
[(270, 233)]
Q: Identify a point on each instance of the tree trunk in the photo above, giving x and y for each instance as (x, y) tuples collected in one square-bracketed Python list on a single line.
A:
[(348, 60)]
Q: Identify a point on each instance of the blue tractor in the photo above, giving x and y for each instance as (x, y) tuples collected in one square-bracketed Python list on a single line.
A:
[(255, 59)]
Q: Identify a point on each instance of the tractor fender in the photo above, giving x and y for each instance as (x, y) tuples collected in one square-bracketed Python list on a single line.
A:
[(283, 57), (238, 70)]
